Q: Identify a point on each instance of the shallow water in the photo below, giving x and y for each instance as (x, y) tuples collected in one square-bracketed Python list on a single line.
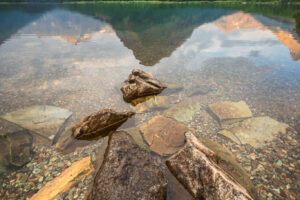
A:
[(76, 57)]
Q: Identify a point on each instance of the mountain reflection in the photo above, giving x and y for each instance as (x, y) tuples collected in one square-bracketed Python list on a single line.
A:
[(152, 32)]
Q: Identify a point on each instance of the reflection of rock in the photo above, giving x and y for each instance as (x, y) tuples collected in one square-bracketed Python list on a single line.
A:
[(76, 172), (184, 111), (194, 168), (153, 103), (45, 120), (164, 136), (228, 112), (128, 172), (254, 131), (140, 84), (15, 149), (288, 40), (99, 123)]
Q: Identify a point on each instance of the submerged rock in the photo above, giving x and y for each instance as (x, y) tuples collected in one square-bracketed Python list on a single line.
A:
[(194, 167), (151, 104), (198, 90), (99, 124), (140, 84), (164, 136), (76, 172), (128, 172), (228, 112), (45, 120), (254, 131), (184, 111), (15, 149)]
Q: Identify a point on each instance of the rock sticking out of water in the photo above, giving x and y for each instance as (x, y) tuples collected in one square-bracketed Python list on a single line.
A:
[(45, 120), (194, 168), (128, 172), (76, 172), (15, 149), (184, 111), (228, 112), (99, 123), (151, 104), (140, 84), (255, 131), (164, 136)]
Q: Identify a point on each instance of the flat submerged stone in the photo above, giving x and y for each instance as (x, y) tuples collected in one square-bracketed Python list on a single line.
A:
[(151, 104), (164, 136), (254, 131), (45, 120), (183, 111), (228, 112)]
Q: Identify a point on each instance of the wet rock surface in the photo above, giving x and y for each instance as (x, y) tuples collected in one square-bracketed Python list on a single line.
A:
[(228, 112), (151, 104), (183, 111), (99, 124), (15, 148), (140, 84), (128, 172), (194, 168), (164, 135), (45, 120), (255, 131)]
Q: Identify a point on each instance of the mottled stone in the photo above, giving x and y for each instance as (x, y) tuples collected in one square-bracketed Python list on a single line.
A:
[(45, 120), (128, 172), (183, 111), (254, 131), (99, 123), (228, 112), (164, 136), (140, 84), (65, 180), (194, 167), (135, 133), (151, 104), (15, 149)]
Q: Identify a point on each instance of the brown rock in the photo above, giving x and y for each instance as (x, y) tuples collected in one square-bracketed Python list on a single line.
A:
[(228, 112), (99, 124), (194, 167), (128, 172), (164, 136), (76, 172), (140, 84)]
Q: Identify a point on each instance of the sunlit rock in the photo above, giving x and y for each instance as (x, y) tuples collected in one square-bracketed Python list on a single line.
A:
[(183, 111), (194, 167), (76, 172), (140, 84), (128, 172), (15, 149), (151, 104), (99, 123), (255, 131), (164, 136), (228, 112), (45, 120)]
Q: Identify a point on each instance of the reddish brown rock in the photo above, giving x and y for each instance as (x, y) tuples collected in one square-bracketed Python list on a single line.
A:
[(164, 136), (140, 84), (194, 167), (99, 123)]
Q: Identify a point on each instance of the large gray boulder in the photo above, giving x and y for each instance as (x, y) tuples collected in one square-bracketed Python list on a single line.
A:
[(15, 149), (128, 172), (195, 169), (140, 84)]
